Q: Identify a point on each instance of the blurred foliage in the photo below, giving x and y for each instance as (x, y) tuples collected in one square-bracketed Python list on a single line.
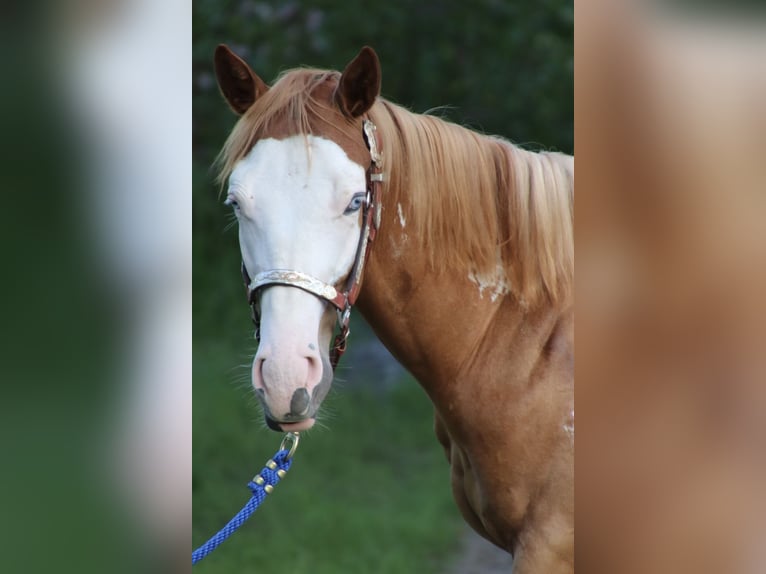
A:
[(498, 66)]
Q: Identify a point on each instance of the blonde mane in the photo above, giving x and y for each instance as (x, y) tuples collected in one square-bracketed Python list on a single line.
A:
[(481, 204), (475, 203)]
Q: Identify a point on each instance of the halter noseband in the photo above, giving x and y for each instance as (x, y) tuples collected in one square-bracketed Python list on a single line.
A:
[(341, 300)]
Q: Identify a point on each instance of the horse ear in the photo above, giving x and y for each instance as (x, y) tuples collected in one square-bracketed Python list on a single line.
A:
[(238, 83), (359, 84)]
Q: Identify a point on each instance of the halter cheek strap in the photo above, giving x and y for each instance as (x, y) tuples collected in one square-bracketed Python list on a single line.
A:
[(341, 300)]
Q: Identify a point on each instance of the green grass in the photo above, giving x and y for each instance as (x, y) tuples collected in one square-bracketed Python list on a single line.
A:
[(367, 494)]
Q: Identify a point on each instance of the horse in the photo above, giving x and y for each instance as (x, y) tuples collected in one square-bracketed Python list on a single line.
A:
[(456, 247)]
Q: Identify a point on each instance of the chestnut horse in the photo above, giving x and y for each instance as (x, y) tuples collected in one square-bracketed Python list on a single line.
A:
[(468, 281)]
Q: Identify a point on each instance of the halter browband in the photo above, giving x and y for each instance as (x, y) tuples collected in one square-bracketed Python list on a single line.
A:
[(341, 300)]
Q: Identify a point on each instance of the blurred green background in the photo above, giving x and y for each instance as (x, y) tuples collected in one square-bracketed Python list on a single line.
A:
[(369, 490)]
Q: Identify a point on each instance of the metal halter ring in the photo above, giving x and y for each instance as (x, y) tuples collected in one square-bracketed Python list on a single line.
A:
[(290, 440)]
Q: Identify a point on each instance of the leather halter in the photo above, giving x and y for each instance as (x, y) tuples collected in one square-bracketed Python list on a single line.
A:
[(341, 300)]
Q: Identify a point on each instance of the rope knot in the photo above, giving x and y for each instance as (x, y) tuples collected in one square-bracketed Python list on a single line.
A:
[(261, 485)]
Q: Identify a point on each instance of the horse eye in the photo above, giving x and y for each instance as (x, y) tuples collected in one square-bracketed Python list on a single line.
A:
[(355, 204), (232, 202)]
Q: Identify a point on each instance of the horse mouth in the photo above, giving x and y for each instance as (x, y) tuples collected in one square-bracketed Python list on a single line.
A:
[(299, 426), (277, 426)]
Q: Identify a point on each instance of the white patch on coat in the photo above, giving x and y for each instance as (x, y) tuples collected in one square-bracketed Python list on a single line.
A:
[(569, 426), (398, 245), (496, 284)]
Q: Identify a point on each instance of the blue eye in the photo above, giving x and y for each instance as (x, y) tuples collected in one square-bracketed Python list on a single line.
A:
[(355, 204), (232, 202)]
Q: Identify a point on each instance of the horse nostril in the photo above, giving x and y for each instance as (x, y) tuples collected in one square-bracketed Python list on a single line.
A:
[(299, 404), (258, 372), (315, 369)]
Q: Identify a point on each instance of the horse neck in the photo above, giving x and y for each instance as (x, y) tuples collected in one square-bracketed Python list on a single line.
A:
[(433, 323)]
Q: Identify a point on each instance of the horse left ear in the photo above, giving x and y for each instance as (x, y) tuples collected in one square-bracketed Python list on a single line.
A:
[(359, 84)]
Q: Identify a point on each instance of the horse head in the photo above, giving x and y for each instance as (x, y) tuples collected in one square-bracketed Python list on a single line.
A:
[(296, 166)]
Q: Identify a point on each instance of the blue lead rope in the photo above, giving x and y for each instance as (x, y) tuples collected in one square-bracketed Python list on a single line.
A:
[(261, 485)]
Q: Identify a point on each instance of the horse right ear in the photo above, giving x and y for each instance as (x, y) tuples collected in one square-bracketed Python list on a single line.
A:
[(238, 83)]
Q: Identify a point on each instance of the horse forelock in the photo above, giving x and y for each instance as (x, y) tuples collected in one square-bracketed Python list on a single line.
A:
[(301, 102)]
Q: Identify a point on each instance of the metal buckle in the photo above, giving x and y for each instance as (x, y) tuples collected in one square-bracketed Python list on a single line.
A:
[(344, 316)]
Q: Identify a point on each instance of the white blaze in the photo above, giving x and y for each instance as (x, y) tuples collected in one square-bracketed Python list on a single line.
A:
[(292, 196)]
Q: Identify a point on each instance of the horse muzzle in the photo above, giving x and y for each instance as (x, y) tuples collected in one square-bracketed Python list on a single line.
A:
[(291, 392)]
